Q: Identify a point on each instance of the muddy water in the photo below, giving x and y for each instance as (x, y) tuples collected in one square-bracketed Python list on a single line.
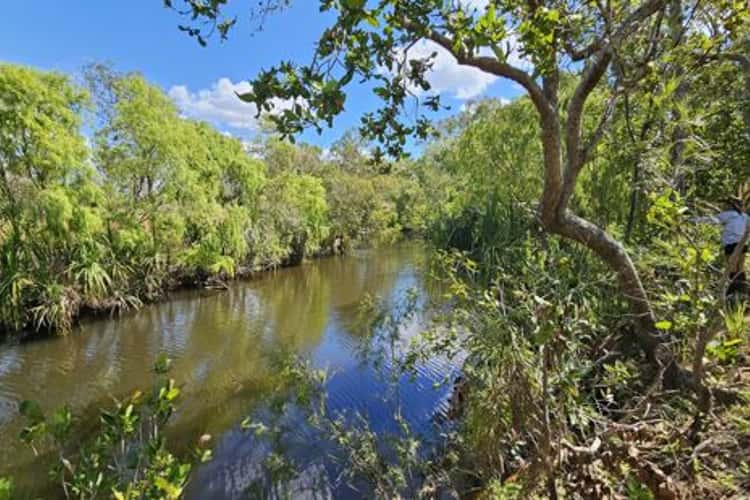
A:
[(226, 346)]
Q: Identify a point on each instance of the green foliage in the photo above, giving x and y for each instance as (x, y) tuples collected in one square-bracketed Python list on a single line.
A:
[(641, 108), (300, 211), (158, 199), (387, 466), (6, 489), (494, 183), (663, 132), (637, 491), (525, 336), (126, 456), (504, 491)]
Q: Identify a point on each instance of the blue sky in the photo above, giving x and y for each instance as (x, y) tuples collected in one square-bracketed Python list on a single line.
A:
[(142, 35)]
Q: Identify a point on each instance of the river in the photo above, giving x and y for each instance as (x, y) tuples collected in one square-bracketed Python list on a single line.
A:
[(225, 346)]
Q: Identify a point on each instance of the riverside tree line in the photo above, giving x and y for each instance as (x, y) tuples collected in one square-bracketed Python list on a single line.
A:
[(109, 197)]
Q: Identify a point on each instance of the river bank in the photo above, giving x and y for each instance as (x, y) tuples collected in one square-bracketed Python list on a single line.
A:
[(176, 280)]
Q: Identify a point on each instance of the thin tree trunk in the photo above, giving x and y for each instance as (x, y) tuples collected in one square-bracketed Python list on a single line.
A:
[(744, 63), (636, 178), (746, 105), (679, 134), (634, 197)]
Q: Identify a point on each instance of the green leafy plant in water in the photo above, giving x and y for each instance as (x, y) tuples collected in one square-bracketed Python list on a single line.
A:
[(6, 488), (389, 465), (127, 456)]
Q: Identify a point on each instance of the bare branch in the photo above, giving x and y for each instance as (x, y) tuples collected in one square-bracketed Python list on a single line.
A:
[(579, 54), (632, 22)]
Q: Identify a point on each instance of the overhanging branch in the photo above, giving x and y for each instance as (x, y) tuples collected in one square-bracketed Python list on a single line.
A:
[(492, 66)]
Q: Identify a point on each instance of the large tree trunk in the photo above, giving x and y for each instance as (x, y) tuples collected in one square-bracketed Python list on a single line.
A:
[(613, 254), (654, 346), (558, 219)]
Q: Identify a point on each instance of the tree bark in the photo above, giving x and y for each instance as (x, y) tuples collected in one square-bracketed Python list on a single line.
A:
[(613, 254)]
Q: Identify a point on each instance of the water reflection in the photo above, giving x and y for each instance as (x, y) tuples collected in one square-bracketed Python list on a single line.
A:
[(224, 347)]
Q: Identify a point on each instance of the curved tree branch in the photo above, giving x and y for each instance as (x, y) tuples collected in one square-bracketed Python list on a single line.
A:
[(495, 67)]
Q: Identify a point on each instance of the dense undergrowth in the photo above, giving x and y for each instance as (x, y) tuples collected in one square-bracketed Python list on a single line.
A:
[(109, 198), (555, 399)]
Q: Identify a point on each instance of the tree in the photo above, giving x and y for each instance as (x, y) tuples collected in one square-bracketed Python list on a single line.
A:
[(349, 153), (297, 205), (41, 142), (141, 146), (611, 47), (732, 35), (48, 202)]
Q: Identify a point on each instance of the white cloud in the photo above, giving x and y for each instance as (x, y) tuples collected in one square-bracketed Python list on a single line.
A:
[(447, 76), (471, 5), (220, 105), (472, 105)]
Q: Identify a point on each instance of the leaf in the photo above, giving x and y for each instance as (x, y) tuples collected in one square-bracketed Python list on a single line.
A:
[(663, 325), (172, 394), (170, 489), (60, 422), (163, 364), (354, 4), (246, 423), (32, 411), (372, 21)]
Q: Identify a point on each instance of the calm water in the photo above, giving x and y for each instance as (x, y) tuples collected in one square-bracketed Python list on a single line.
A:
[(225, 346)]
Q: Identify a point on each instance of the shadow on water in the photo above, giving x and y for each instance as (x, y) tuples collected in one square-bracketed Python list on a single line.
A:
[(226, 348)]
